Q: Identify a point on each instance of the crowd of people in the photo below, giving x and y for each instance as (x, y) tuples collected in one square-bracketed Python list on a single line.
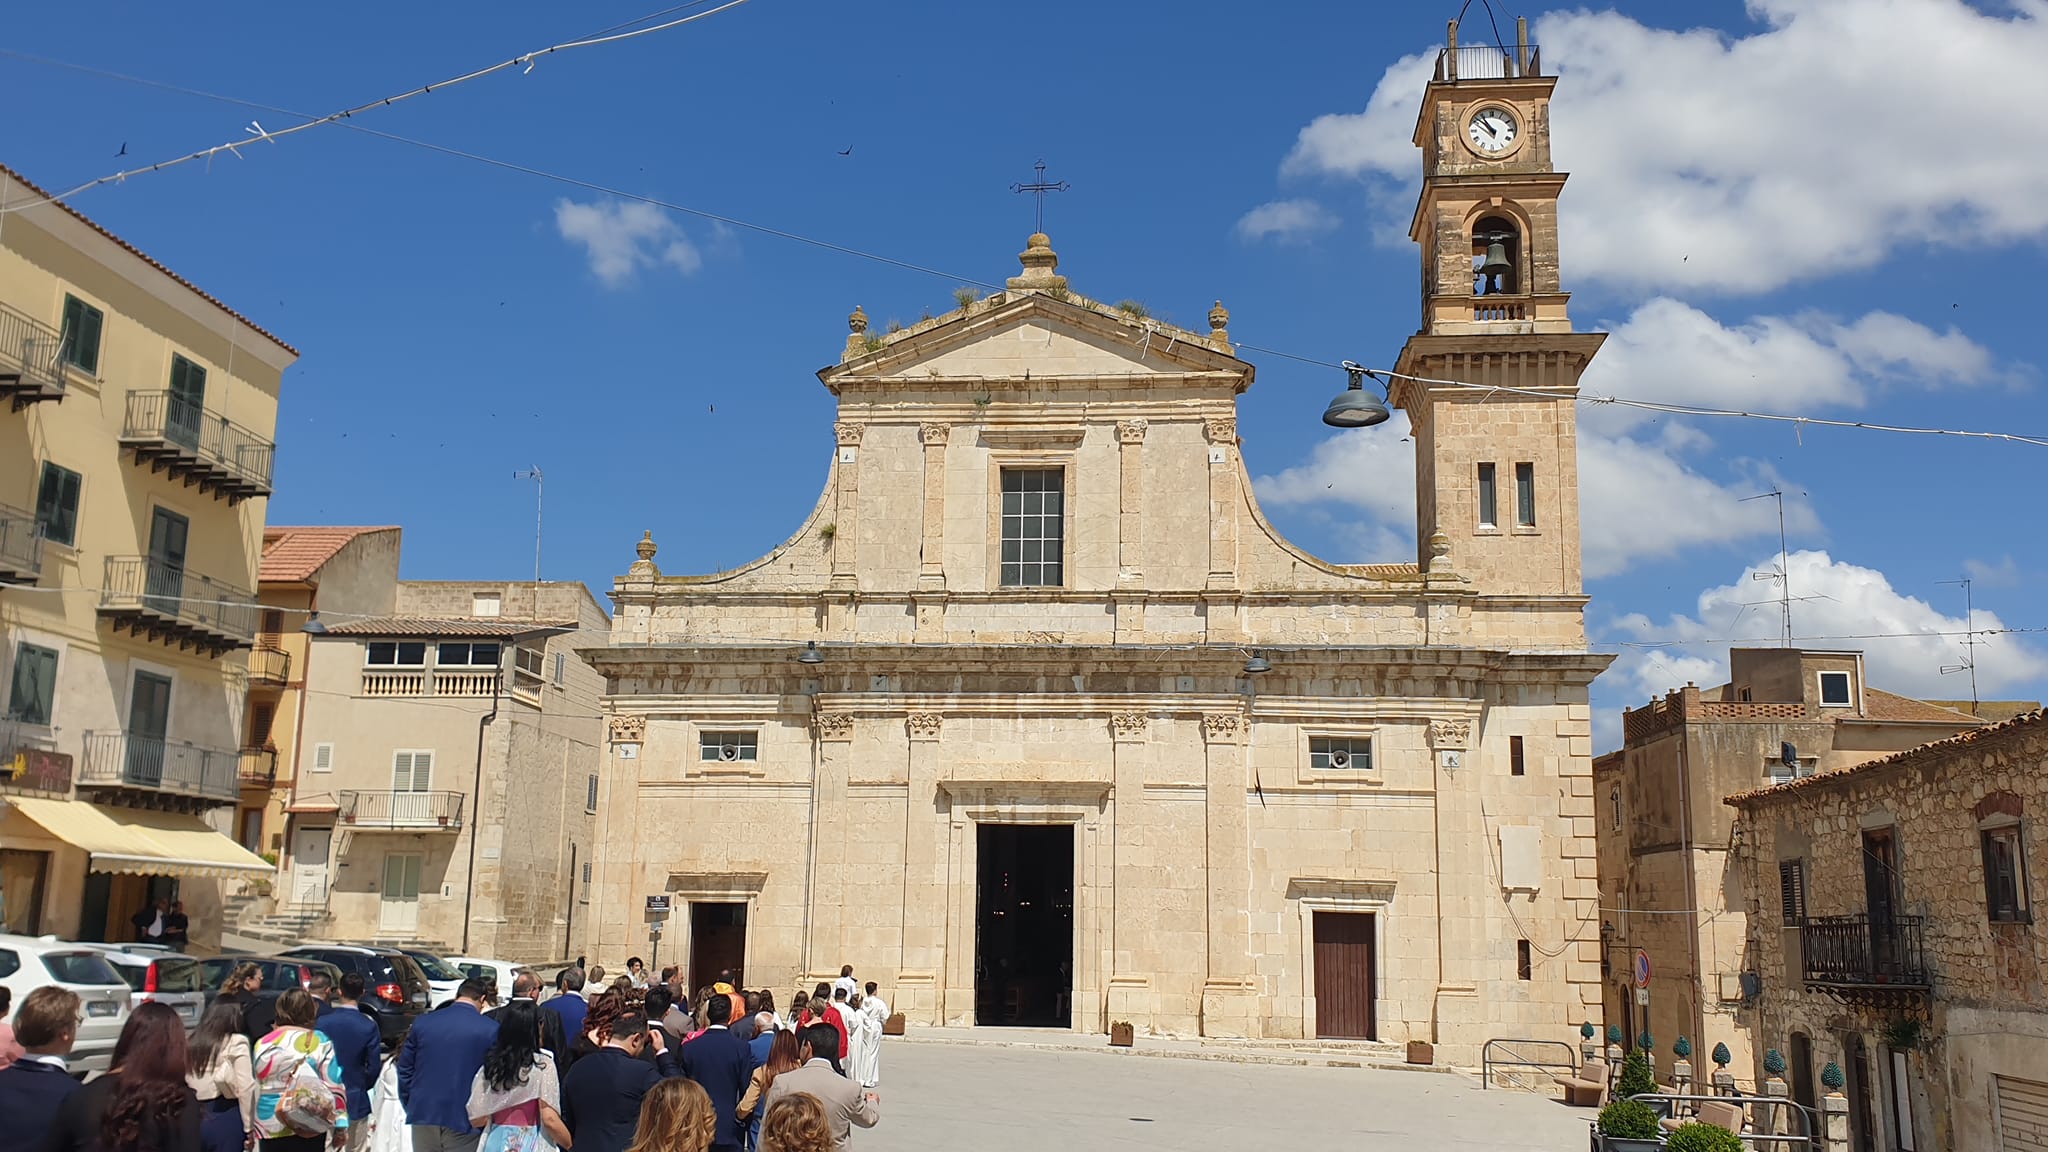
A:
[(634, 1065)]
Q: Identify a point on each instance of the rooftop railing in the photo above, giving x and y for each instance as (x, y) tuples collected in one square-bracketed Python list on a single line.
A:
[(1488, 62)]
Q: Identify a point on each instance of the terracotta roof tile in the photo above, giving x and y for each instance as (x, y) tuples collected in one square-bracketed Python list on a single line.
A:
[(1881, 705), (437, 626), (1931, 750), (293, 555), (148, 259)]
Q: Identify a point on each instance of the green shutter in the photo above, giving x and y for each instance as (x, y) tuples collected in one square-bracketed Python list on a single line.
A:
[(82, 323), (57, 504), (33, 695)]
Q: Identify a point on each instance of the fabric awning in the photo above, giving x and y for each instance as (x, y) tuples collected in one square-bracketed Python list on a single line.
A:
[(141, 842)]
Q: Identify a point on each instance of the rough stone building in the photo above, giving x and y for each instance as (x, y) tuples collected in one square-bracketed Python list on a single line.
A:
[(1890, 913), (1664, 833), (996, 724)]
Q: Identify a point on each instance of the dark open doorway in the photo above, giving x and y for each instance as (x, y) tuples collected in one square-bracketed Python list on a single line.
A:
[(1024, 925), (718, 943)]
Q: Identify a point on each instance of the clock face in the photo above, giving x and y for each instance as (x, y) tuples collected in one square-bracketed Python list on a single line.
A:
[(1492, 130)]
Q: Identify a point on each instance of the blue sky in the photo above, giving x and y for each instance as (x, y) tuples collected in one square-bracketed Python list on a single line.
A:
[(1796, 205)]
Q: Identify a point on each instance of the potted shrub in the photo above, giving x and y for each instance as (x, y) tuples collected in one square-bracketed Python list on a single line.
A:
[(1627, 1126), (1694, 1136)]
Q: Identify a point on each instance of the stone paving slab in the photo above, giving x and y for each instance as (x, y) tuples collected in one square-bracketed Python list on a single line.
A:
[(1285, 1053)]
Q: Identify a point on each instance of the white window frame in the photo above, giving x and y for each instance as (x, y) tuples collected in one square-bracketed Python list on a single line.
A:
[(412, 768), (397, 649), (1369, 774), (747, 748), (1848, 688), (486, 605), (469, 653), (1486, 495), (323, 757)]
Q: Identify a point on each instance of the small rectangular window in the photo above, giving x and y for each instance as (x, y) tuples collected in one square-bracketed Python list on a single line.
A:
[(1792, 892), (728, 747), (1034, 527), (590, 794), (1525, 495), (32, 698), (1834, 690), (1525, 962), (273, 626), (262, 717), (466, 655), (2005, 876), (485, 604), (1340, 753), (323, 757), (412, 771), (527, 660), (398, 653), (584, 895), (1517, 766), (80, 340), (561, 668), (1489, 498), (57, 504)]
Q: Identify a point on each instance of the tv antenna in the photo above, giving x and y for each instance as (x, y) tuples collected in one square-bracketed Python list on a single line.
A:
[(539, 494), (1969, 663), (1784, 573)]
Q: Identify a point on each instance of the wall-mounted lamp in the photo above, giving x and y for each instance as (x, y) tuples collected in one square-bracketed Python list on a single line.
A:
[(1257, 664)]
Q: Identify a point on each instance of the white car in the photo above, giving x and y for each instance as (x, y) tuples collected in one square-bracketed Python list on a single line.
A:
[(31, 962), (498, 972), (443, 978), (159, 975)]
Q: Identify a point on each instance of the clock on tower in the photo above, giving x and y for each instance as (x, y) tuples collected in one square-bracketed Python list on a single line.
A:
[(1496, 472)]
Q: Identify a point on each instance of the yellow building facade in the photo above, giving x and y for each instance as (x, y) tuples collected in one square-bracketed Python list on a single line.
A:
[(136, 423)]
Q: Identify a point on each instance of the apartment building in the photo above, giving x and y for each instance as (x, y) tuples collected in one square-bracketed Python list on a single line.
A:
[(445, 759), (136, 422), (1664, 835)]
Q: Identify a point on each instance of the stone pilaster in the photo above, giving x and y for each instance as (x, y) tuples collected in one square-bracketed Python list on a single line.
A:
[(1223, 502), (1464, 901), (924, 881), (846, 509), (931, 566), (1130, 440), (832, 733), (1229, 995)]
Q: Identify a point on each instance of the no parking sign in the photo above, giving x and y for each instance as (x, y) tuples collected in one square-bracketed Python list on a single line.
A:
[(1642, 968)]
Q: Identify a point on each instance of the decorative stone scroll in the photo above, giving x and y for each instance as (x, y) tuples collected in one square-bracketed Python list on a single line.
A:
[(1128, 725), (1130, 431), (1450, 735), (1220, 431), (848, 433), (628, 729), (933, 433), (833, 725), (1222, 727), (924, 725)]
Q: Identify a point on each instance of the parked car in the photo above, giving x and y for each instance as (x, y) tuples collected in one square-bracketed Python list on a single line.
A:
[(279, 973), (395, 989), (159, 975), (29, 962), (442, 977), (498, 972)]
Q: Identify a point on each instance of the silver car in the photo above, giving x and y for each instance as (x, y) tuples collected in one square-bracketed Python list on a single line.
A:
[(160, 976), (31, 962)]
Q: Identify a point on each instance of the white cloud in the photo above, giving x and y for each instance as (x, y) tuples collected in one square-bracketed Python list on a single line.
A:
[(1839, 133), (2003, 574), (1370, 469), (1905, 640), (1287, 221), (623, 237)]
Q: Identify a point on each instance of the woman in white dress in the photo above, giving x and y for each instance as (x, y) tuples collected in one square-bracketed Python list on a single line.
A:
[(864, 1037)]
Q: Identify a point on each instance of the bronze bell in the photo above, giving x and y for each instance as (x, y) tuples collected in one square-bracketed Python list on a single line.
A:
[(1495, 266)]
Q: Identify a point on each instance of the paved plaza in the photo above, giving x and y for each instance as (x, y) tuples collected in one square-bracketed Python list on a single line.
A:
[(940, 1097)]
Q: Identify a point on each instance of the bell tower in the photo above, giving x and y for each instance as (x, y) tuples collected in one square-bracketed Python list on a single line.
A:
[(1496, 472)]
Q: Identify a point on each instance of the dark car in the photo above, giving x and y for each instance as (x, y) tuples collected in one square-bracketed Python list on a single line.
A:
[(279, 973), (395, 990)]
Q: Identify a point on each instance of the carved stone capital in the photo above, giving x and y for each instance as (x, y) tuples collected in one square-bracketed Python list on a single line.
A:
[(933, 433), (1128, 725), (1130, 431), (1220, 431), (1450, 735), (833, 725), (924, 725), (1222, 727), (628, 729), (848, 433)]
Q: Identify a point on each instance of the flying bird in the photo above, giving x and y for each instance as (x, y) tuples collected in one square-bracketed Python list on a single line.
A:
[(124, 149), (846, 151)]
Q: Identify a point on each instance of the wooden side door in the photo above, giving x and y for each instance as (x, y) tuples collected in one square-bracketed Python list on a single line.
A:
[(1345, 980)]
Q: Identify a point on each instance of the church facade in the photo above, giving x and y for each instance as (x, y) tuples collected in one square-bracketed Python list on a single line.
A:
[(1037, 720)]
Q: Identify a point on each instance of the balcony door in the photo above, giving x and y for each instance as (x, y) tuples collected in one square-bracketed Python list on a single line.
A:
[(1881, 897), (164, 581), (412, 775), (186, 403), (149, 720), (399, 911)]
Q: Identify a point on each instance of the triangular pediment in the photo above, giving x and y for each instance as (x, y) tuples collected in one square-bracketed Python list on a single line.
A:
[(1037, 336)]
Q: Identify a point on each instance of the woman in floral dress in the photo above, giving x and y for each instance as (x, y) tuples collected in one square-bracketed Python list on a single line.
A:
[(301, 1103)]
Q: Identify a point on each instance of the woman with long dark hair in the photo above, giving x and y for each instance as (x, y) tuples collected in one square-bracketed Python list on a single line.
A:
[(142, 1104), (224, 1078), (516, 1097)]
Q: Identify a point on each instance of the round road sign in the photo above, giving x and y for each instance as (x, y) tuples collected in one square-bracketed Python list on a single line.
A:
[(1642, 968)]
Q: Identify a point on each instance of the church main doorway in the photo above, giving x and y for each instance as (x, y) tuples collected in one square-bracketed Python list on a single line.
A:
[(1024, 925), (718, 943)]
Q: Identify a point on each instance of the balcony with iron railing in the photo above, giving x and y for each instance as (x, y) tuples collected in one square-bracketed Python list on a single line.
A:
[(197, 445), (269, 667), (256, 767), (125, 761), (21, 546), (176, 606), (31, 359), (402, 811), (1861, 959)]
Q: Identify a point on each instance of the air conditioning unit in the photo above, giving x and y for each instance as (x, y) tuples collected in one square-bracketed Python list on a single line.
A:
[(728, 752), (1340, 757)]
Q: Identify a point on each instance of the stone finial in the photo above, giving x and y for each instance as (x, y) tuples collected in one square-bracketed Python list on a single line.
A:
[(856, 335), (1041, 266), (1219, 327), (1439, 552), (646, 549)]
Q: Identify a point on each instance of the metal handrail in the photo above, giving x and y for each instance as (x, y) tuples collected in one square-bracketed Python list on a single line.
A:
[(125, 759), (1807, 1137), (1487, 1061), (21, 542), (1488, 62), (270, 665), (172, 418), (1859, 949), (168, 590), (396, 809), (36, 348)]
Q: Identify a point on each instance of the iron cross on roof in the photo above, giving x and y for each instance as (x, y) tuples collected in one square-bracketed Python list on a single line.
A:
[(1038, 188)]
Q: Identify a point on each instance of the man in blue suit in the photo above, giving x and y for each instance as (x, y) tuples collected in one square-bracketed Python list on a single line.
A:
[(358, 1043), (721, 1064), (441, 1056), (32, 1087)]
